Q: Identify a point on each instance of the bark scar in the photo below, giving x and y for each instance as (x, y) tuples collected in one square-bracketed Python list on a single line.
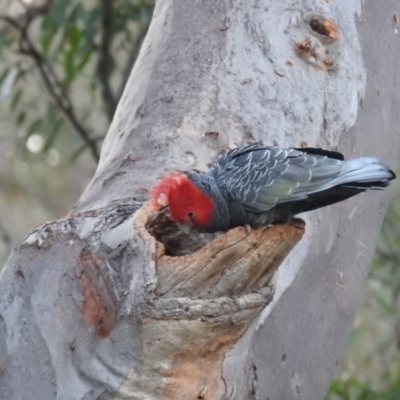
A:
[(98, 307)]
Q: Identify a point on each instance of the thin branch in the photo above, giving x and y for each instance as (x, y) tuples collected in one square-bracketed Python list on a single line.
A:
[(53, 85), (105, 59)]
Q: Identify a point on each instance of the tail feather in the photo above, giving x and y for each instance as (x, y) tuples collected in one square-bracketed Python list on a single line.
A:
[(357, 176), (365, 173)]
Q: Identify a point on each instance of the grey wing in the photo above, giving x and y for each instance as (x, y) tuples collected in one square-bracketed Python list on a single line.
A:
[(260, 177)]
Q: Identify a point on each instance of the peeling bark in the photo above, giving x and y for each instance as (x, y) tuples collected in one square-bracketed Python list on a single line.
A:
[(92, 306)]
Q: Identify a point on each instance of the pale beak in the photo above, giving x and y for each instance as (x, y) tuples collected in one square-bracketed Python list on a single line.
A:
[(185, 227)]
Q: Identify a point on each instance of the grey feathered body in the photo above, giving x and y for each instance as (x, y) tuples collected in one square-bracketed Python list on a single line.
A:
[(257, 185)]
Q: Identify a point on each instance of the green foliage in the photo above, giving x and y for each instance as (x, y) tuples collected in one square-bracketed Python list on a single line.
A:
[(70, 48), (370, 369), (352, 388)]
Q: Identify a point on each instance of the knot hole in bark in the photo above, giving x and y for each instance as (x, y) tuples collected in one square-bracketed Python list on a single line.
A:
[(204, 292), (207, 266), (320, 42)]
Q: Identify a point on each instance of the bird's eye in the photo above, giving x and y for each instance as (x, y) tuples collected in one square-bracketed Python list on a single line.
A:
[(190, 214)]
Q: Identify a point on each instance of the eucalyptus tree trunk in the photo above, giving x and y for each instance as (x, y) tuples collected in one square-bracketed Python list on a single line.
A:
[(93, 307)]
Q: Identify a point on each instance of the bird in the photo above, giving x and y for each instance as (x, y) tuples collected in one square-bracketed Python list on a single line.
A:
[(258, 185)]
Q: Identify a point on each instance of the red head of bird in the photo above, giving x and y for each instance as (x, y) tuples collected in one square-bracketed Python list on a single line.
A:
[(187, 203)]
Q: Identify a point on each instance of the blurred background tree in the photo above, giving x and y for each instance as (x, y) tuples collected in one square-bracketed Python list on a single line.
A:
[(370, 366), (63, 67)]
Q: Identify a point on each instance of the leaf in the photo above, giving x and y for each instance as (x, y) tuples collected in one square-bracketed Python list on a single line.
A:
[(75, 155), (33, 127), (4, 75), (58, 15), (15, 99), (21, 118), (73, 37), (86, 57), (384, 304), (55, 130), (6, 40), (46, 39)]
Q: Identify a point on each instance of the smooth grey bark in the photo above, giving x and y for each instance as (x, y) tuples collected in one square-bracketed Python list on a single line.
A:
[(79, 314)]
